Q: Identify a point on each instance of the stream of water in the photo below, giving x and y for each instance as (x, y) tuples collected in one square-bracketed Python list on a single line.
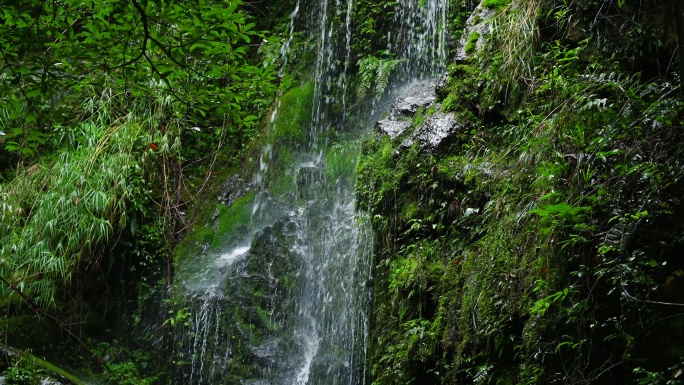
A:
[(285, 301)]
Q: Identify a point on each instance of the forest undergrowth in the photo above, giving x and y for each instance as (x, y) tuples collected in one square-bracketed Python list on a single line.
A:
[(543, 243)]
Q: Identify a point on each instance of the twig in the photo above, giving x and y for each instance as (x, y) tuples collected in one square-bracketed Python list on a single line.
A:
[(52, 319)]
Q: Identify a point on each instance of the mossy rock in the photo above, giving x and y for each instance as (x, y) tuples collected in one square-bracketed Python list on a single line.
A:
[(293, 119), (495, 4), (250, 322), (226, 224)]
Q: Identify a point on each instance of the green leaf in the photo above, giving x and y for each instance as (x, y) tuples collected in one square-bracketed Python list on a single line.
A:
[(166, 74)]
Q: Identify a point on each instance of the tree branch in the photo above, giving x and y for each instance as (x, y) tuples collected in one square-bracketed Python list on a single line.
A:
[(51, 319)]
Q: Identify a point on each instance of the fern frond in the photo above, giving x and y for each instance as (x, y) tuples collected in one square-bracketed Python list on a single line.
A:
[(367, 68), (385, 69), (374, 71)]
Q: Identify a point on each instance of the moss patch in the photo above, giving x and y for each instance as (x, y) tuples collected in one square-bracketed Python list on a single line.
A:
[(231, 218), (495, 4), (471, 45), (294, 116)]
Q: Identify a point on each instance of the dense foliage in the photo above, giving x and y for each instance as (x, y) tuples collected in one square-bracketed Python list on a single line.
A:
[(542, 243), (112, 117)]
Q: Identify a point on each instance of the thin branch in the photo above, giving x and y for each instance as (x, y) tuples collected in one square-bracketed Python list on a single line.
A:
[(146, 34), (52, 319), (624, 291)]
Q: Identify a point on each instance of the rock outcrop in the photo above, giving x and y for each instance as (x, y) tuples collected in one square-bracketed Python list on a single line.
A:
[(477, 27), (436, 127)]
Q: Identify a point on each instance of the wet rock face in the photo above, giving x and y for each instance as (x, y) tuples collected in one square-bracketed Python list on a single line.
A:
[(249, 324), (392, 127), (309, 182), (478, 23), (232, 189), (420, 95), (264, 290), (434, 130), (440, 86)]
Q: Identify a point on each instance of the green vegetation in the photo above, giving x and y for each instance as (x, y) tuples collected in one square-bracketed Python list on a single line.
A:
[(373, 70), (471, 45), (340, 160), (27, 369), (23, 372), (542, 245), (112, 120), (293, 116), (370, 22), (288, 132), (237, 214), (495, 4), (57, 215), (461, 89)]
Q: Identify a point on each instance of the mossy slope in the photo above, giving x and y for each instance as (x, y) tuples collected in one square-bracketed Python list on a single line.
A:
[(544, 245)]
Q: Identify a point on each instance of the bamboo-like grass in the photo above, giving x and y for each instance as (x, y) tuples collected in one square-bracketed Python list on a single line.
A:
[(516, 25), (57, 215)]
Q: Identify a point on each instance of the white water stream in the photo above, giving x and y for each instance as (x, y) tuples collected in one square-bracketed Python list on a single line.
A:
[(286, 302)]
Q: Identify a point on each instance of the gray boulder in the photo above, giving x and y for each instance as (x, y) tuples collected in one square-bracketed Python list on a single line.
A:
[(411, 98), (478, 23)]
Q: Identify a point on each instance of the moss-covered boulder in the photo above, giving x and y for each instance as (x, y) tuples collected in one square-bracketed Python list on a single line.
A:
[(243, 327)]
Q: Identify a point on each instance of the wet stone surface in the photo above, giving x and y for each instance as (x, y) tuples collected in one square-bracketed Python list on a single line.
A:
[(479, 22), (434, 130), (419, 95), (393, 128), (232, 189)]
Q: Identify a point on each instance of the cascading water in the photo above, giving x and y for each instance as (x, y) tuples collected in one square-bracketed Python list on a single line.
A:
[(282, 298), (420, 37)]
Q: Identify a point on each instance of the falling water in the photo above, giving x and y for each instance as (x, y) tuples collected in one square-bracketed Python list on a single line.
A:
[(285, 49), (283, 299), (420, 37)]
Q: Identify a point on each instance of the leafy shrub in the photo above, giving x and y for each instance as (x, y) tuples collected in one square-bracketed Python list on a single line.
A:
[(22, 372)]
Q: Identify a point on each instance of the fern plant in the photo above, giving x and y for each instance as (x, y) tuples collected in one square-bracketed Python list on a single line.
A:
[(375, 72)]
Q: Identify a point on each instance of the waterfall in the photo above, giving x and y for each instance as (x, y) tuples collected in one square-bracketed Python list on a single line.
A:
[(421, 36), (281, 298)]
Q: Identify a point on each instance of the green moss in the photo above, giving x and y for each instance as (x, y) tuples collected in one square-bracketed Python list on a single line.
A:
[(294, 115), (450, 166), (409, 211), (477, 19), (289, 131), (266, 319), (230, 220), (471, 45), (280, 177), (341, 159), (462, 89), (239, 214), (419, 117), (379, 174), (495, 4)]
